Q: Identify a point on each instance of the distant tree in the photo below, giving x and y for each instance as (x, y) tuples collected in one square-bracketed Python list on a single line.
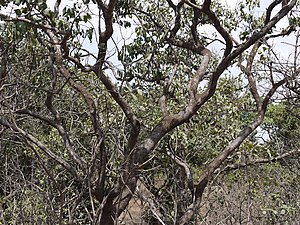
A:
[(88, 121)]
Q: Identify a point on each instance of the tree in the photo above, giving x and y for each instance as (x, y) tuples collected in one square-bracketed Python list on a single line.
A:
[(94, 131)]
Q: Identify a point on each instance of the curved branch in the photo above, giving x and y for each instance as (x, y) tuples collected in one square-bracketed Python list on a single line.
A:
[(270, 9), (217, 24), (195, 80), (248, 71), (186, 168), (108, 16), (263, 31), (107, 11), (197, 13), (205, 8), (177, 24)]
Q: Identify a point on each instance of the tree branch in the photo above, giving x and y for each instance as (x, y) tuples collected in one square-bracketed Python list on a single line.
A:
[(107, 11), (248, 71), (233, 145), (44, 27), (127, 110), (164, 97), (216, 23), (108, 15), (199, 75), (36, 115), (177, 23), (261, 161), (41, 146), (186, 168), (56, 7)]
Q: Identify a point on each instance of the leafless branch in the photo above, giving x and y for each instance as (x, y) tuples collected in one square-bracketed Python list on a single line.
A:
[(41, 146), (261, 161), (186, 168), (164, 97)]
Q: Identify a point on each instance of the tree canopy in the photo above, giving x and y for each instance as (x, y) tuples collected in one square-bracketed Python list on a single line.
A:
[(169, 112)]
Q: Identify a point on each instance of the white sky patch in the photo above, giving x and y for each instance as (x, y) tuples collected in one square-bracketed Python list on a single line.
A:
[(230, 3)]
